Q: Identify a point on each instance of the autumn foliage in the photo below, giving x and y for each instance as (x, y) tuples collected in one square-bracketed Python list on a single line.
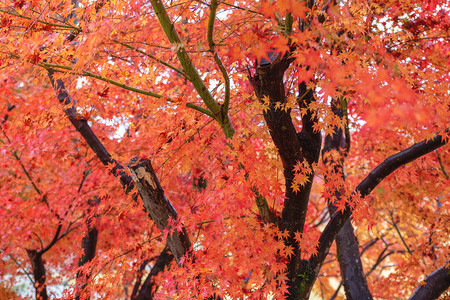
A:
[(216, 150)]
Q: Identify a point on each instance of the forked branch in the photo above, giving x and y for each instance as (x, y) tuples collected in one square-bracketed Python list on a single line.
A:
[(216, 109)]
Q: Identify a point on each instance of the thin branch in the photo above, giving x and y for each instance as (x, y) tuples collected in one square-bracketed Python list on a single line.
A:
[(211, 44), (190, 70), (85, 175), (24, 271), (37, 18), (55, 239), (399, 233), (69, 70), (182, 73), (68, 27), (119, 256), (242, 8), (441, 164), (40, 240), (336, 293), (35, 187), (369, 245), (119, 84)]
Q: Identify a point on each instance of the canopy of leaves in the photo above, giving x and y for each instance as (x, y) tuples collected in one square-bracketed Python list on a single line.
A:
[(187, 102)]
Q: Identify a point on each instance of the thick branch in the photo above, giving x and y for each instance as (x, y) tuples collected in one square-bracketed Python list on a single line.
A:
[(435, 284), (138, 281), (159, 208), (384, 169)]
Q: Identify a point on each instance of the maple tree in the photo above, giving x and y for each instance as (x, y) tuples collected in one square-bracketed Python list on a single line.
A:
[(192, 149)]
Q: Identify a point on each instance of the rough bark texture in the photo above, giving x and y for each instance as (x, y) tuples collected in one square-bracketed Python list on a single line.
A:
[(436, 284), (156, 203), (37, 264), (147, 289), (352, 273)]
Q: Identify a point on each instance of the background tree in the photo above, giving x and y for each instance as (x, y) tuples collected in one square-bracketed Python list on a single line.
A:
[(198, 149)]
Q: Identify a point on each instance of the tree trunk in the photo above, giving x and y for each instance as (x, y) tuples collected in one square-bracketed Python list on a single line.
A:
[(37, 264)]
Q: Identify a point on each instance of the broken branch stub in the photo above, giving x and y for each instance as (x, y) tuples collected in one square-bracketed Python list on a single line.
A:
[(156, 203)]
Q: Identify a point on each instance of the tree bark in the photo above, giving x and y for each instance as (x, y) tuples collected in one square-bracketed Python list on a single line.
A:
[(435, 284), (159, 208), (89, 245), (293, 148), (37, 264)]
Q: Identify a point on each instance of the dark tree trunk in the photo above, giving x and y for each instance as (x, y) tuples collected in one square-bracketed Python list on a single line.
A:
[(37, 264), (293, 148)]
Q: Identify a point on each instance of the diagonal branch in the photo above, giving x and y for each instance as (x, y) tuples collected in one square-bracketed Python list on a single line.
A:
[(163, 261), (153, 198), (182, 73), (435, 284), (82, 126), (66, 69), (160, 209), (399, 233), (56, 25), (54, 240), (384, 169)]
